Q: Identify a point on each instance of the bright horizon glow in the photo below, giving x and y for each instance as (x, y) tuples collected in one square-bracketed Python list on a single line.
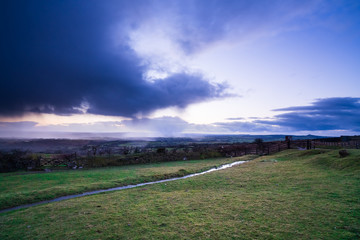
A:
[(52, 119)]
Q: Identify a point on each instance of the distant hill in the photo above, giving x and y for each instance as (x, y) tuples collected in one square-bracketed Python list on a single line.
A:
[(71, 145), (251, 138)]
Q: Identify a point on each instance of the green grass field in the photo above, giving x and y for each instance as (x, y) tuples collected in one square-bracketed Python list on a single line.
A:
[(294, 194), (21, 187)]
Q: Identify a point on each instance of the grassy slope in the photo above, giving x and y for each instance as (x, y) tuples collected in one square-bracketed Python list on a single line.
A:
[(304, 195), (18, 189)]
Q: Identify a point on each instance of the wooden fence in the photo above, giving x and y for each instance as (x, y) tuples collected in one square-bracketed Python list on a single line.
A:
[(347, 144)]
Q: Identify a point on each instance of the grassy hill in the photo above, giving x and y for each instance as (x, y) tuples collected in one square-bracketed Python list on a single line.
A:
[(17, 188), (291, 195)]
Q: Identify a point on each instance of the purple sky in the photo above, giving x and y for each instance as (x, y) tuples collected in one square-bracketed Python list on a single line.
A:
[(165, 68)]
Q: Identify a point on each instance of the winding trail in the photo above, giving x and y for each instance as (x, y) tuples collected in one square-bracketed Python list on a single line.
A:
[(121, 188)]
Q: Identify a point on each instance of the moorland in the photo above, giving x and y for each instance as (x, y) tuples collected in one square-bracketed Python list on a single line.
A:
[(291, 194)]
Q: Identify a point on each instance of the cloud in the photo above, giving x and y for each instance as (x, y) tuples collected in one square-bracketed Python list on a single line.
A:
[(175, 126), (60, 58), (235, 118), (241, 127), (339, 115), (175, 31), (67, 57), (163, 126), (194, 25), (139, 127), (322, 114), (18, 126), (142, 127)]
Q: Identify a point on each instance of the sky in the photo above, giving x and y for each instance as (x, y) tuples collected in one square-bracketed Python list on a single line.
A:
[(169, 68)]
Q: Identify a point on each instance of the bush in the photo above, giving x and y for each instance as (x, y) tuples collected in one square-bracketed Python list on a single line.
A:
[(18, 160), (343, 153)]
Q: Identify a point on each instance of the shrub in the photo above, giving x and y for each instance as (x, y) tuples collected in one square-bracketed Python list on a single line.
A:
[(343, 153)]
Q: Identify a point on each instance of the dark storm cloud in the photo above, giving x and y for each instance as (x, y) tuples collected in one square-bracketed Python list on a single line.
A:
[(323, 114), (177, 90), (58, 55)]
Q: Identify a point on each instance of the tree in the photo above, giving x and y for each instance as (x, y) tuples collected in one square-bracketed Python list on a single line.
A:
[(260, 144)]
